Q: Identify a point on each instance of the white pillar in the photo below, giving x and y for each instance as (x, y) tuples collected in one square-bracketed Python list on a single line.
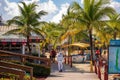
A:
[(23, 48), (38, 50), (32, 48)]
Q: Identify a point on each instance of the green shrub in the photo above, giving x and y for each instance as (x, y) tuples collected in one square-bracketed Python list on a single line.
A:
[(27, 77), (36, 54), (39, 70), (8, 76), (14, 61)]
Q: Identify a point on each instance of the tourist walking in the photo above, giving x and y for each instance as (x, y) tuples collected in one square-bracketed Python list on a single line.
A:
[(97, 53), (52, 55), (60, 60)]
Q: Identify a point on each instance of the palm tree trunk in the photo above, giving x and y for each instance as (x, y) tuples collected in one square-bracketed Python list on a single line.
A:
[(91, 47), (91, 44), (115, 33), (54, 46), (28, 44)]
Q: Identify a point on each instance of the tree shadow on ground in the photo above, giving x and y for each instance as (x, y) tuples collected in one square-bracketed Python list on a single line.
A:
[(67, 68)]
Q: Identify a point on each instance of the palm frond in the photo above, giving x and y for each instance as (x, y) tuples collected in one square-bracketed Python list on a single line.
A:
[(14, 31), (104, 12), (41, 13)]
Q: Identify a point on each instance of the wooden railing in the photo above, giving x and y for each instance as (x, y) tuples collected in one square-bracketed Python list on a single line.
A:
[(68, 60), (98, 64), (23, 58), (18, 66), (21, 73)]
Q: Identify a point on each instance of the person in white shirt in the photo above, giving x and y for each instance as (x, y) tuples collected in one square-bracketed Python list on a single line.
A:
[(60, 60)]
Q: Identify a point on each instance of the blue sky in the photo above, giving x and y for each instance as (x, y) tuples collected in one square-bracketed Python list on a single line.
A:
[(59, 1), (55, 8)]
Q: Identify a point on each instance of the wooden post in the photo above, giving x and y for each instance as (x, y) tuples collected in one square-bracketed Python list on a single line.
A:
[(95, 63), (70, 61), (91, 66), (106, 72), (31, 74), (23, 59), (23, 48), (21, 77), (65, 58), (99, 72)]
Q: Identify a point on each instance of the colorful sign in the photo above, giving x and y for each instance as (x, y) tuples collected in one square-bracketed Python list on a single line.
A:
[(114, 60), (114, 42)]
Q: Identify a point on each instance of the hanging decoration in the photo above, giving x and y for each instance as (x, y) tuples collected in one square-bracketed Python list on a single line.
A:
[(4, 42), (13, 42), (23, 42), (30, 40), (37, 39)]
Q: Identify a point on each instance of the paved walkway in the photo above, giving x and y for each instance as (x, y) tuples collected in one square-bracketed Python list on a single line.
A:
[(77, 72)]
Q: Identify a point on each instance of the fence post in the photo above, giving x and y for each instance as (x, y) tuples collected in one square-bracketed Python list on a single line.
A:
[(65, 59), (95, 66), (23, 59), (99, 72), (106, 72), (21, 77), (70, 61)]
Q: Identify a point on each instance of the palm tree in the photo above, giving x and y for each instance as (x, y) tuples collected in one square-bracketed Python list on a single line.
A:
[(114, 23), (90, 15), (27, 22), (52, 33), (72, 28), (82, 36), (103, 35)]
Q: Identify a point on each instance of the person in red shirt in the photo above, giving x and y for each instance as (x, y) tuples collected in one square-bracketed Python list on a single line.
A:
[(97, 53), (53, 55)]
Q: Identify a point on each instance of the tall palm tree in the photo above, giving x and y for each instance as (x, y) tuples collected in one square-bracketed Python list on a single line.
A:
[(27, 22), (91, 15)]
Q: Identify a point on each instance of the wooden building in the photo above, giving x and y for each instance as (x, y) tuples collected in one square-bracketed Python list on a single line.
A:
[(15, 42)]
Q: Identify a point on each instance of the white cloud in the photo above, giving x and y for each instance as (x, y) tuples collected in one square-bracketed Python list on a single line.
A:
[(30, 1), (81, 1), (63, 10), (49, 7), (10, 9), (115, 5)]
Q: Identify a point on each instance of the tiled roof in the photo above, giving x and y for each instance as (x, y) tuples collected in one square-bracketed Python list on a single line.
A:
[(5, 28)]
